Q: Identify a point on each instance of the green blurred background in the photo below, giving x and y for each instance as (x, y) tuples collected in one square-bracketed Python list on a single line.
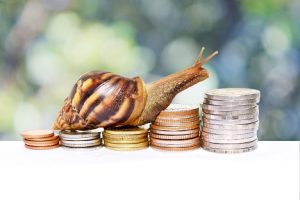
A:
[(45, 45)]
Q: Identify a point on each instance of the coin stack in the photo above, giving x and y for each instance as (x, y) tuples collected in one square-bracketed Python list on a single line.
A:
[(230, 120), (176, 129), (126, 139), (40, 139), (80, 139)]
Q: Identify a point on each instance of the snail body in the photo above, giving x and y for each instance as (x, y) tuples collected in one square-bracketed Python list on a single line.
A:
[(104, 99)]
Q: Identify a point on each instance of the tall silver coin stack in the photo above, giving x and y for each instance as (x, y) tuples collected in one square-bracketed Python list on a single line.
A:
[(230, 120), (80, 139)]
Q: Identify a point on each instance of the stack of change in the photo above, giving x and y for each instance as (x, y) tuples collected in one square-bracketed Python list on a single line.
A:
[(126, 138), (80, 139), (176, 129), (230, 120), (40, 139)]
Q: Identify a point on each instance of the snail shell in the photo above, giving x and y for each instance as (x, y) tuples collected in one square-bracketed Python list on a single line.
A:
[(103, 99)]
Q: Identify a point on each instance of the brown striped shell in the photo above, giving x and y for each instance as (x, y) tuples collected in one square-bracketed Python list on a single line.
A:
[(102, 99)]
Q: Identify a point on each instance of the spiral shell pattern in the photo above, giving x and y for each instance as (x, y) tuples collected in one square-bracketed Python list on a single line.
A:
[(102, 99)]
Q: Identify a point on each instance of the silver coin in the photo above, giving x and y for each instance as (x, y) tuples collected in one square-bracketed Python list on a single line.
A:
[(85, 143), (230, 122), (227, 108), (230, 151), (229, 132), (230, 102), (229, 117), (76, 135), (92, 148), (229, 141), (233, 94), (232, 127), (249, 111), (209, 136), (79, 138), (229, 146)]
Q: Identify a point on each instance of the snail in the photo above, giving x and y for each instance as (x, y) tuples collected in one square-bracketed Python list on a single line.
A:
[(103, 99)]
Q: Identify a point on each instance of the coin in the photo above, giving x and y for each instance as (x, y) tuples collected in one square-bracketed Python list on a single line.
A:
[(178, 109), (187, 148), (42, 143), (232, 127), (180, 132), (137, 145), (76, 135), (230, 117), (126, 131), (233, 94), (230, 151), (229, 141), (249, 111), (37, 134), (229, 132), (178, 120), (92, 148), (227, 108), (230, 122), (230, 102), (54, 137), (174, 137), (229, 145), (85, 143), (175, 142), (41, 147), (174, 128), (208, 136), (177, 124), (139, 140), (175, 145), (125, 137), (127, 148)]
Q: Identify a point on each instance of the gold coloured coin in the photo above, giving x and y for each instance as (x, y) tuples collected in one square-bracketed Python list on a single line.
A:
[(126, 131), (140, 140), (114, 145), (127, 148)]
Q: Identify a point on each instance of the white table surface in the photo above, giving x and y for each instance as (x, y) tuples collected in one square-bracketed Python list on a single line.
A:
[(270, 172)]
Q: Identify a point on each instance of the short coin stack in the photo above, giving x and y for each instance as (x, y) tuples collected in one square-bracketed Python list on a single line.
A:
[(176, 129), (40, 139), (80, 139), (126, 139), (230, 120)]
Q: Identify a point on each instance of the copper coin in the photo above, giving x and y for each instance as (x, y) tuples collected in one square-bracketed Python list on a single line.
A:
[(188, 148), (174, 128), (175, 142), (178, 109), (54, 137), (178, 120), (42, 147), (178, 117), (177, 124), (182, 132), (176, 145), (37, 134), (174, 137), (42, 143)]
